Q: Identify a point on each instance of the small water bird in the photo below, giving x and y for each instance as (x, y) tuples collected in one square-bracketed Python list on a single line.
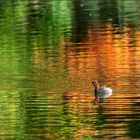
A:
[(101, 92)]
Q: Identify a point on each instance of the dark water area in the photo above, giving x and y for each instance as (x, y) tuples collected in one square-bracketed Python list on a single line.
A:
[(50, 52)]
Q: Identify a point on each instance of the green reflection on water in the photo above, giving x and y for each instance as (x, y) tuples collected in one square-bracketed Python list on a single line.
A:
[(54, 22), (22, 81), (12, 116)]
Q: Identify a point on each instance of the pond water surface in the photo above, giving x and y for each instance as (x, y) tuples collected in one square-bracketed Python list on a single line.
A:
[(50, 52)]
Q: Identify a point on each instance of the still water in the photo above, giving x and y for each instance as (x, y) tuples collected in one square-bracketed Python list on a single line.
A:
[(50, 51)]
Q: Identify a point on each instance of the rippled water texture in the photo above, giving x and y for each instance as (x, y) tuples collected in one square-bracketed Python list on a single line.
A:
[(50, 51)]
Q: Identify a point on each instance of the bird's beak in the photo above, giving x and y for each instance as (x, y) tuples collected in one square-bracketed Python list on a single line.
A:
[(92, 84)]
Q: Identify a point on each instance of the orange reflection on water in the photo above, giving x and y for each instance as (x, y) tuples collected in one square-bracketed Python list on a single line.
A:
[(106, 53), (113, 58)]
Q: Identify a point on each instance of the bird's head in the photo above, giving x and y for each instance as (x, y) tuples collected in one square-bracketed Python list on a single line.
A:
[(95, 84)]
